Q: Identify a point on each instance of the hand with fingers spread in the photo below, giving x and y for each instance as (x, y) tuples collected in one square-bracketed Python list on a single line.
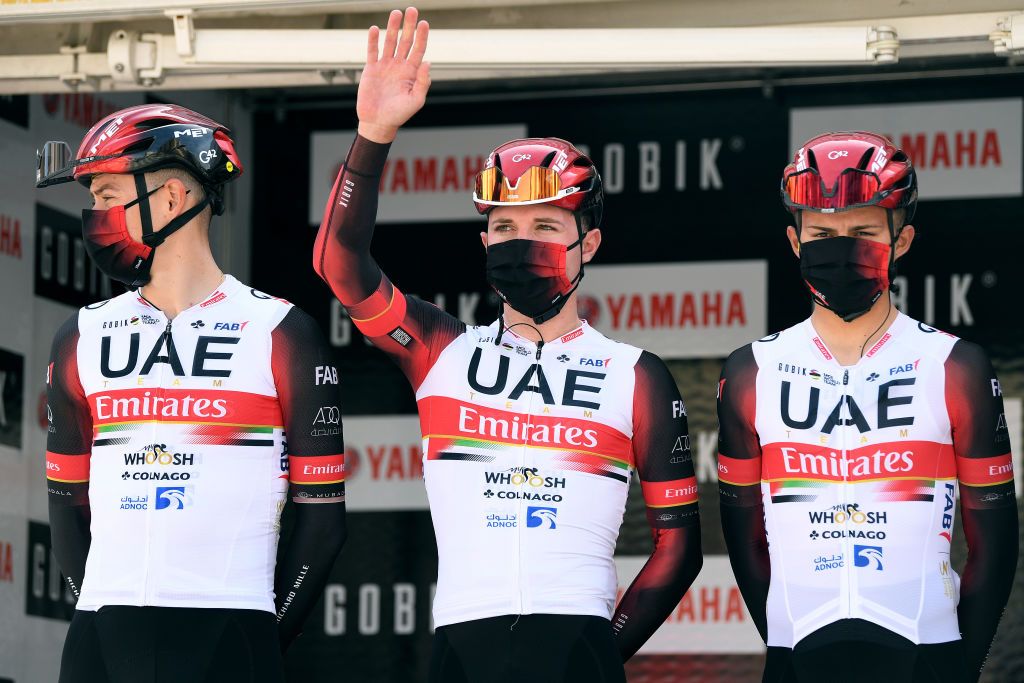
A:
[(395, 81)]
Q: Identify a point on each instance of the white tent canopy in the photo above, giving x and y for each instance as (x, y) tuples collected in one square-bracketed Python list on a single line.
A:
[(103, 45)]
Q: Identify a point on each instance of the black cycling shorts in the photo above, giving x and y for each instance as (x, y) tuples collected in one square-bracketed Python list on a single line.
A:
[(539, 648), (120, 644), (855, 651)]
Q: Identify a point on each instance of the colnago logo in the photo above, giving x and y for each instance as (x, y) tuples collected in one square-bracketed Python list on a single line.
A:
[(113, 407), (839, 465), (510, 428), (524, 495)]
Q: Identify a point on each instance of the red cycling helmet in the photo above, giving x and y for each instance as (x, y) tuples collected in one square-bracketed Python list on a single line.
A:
[(146, 138), (842, 171), (541, 170)]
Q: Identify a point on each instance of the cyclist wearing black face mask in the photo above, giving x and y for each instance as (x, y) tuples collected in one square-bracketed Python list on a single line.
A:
[(844, 440), (180, 418), (534, 425)]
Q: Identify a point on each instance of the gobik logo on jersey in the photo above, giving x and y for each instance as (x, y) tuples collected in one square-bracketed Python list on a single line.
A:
[(542, 517), (892, 411)]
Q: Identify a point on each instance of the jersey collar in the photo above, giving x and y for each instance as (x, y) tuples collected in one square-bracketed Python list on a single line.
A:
[(822, 351)]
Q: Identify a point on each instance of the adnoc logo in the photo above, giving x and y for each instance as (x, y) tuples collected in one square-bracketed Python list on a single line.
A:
[(867, 556), (543, 517), (173, 497)]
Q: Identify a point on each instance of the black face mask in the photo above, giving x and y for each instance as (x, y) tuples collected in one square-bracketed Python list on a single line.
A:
[(111, 247), (846, 275), (530, 276)]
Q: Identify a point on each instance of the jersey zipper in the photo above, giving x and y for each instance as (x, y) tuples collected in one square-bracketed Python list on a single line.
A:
[(521, 597), (166, 341), (844, 498)]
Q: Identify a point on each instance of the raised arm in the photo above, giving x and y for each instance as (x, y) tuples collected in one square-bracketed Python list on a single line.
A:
[(392, 88), (739, 484), (988, 504), (68, 451), (664, 465)]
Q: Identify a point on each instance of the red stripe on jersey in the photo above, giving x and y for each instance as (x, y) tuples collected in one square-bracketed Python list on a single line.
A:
[(449, 417), (185, 405), (381, 312), (739, 471), (664, 494), (984, 471), (70, 469), (316, 469), (894, 460)]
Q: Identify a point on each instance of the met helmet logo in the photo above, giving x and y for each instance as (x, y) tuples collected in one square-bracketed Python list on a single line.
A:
[(192, 132)]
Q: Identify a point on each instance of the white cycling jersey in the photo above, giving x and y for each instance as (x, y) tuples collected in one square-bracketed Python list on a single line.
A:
[(527, 461), (858, 473), (176, 428)]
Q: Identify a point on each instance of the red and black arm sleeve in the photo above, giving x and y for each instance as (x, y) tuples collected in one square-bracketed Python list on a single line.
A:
[(739, 483), (988, 505), (409, 330), (68, 450), (307, 382), (664, 464)]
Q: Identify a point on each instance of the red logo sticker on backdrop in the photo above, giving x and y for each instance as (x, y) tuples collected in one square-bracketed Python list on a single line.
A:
[(10, 236), (6, 562)]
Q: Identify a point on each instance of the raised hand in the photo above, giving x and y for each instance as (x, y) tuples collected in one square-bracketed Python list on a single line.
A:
[(395, 81)]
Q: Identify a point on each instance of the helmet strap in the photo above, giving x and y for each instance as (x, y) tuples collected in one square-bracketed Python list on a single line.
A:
[(150, 237)]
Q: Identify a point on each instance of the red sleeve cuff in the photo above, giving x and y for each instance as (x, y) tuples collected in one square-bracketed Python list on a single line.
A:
[(739, 471), (68, 469)]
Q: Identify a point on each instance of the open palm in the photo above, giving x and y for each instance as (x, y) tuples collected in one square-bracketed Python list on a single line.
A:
[(395, 80)]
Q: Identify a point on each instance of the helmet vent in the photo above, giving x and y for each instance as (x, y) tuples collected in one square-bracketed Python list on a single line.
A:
[(549, 158), (866, 157), (140, 146), (812, 160), (155, 123)]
